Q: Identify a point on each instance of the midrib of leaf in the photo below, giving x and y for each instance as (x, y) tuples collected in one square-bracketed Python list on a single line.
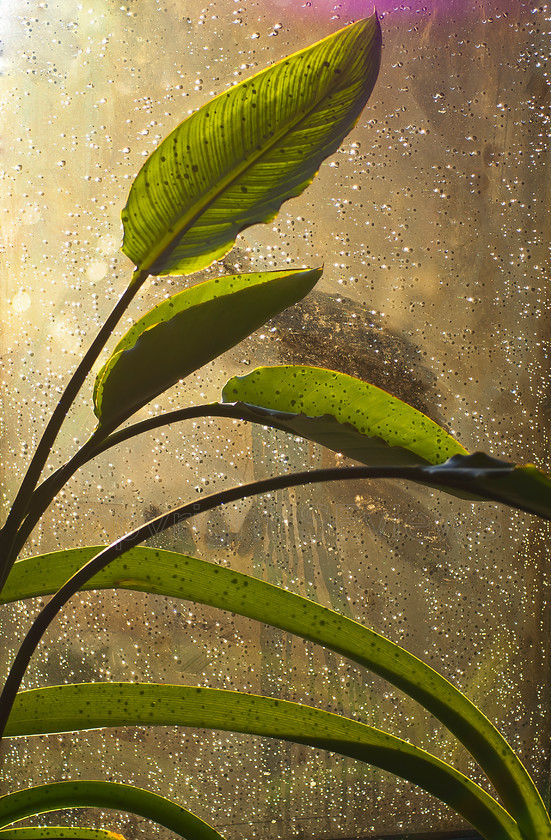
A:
[(170, 241)]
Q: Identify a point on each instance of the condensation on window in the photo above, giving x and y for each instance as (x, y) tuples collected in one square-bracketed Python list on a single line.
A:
[(432, 223)]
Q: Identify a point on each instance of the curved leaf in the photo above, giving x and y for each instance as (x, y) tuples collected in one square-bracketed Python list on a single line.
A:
[(373, 427), (58, 832), (523, 487), (168, 573), (110, 795), (236, 160), (188, 330), (66, 708), (344, 414)]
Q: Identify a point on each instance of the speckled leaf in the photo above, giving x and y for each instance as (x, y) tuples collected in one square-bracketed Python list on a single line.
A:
[(188, 330), (59, 832), (236, 160), (105, 795), (66, 708), (344, 414), (168, 573)]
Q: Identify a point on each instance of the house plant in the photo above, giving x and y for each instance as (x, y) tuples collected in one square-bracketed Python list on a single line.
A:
[(169, 229)]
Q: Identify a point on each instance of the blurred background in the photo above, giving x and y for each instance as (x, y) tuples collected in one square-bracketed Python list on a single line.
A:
[(432, 221)]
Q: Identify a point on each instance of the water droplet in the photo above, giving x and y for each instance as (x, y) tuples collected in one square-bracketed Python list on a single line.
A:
[(21, 302), (96, 270), (108, 243), (30, 215)]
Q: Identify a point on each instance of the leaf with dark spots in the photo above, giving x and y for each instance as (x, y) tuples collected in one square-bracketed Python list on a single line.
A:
[(175, 225)]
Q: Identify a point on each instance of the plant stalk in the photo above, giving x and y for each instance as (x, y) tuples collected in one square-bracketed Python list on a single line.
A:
[(157, 526), (22, 500), (99, 442)]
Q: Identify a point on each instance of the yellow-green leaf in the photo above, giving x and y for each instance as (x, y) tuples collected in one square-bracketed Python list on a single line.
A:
[(188, 330), (65, 708), (107, 795), (344, 414), (236, 160), (180, 576)]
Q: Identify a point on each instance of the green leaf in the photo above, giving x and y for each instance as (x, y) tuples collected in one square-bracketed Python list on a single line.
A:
[(188, 330), (58, 832), (109, 795), (66, 708), (343, 413), (368, 424), (235, 161), (168, 573), (523, 487)]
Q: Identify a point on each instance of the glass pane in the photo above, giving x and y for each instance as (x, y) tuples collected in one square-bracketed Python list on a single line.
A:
[(432, 223)]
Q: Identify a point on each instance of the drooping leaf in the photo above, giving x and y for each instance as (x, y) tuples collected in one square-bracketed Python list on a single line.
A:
[(188, 330), (342, 413), (371, 426), (168, 573), (108, 795), (523, 487), (58, 832), (65, 708), (476, 478), (236, 160)]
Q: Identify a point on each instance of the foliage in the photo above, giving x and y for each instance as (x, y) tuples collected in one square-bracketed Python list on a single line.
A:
[(230, 165)]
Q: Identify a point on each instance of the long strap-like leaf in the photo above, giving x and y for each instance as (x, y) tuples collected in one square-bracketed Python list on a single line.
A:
[(58, 832), (172, 574), (100, 794), (65, 708)]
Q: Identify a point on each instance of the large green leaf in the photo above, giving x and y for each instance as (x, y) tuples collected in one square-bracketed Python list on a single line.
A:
[(109, 795), (368, 424), (66, 708), (236, 160), (168, 573), (58, 832), (188, 330), (342, 413)]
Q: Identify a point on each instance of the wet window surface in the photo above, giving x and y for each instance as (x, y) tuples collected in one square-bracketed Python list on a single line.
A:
[(432, 222)]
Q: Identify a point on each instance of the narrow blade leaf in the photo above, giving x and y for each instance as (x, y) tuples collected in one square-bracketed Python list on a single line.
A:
[(373, 427), (236, 160), (168, 573), (109, 795), (58, 832), (188, 330), (343, 413), (66, 708)]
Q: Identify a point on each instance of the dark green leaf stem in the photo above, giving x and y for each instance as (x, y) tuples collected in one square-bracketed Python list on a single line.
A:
[(24, 495), (167, 520)]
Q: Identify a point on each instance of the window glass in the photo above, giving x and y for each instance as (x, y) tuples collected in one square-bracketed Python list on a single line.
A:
[(432, 223)]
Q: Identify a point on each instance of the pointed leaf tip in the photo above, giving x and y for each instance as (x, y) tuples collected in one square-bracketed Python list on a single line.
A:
[(235, 161), (343, 413), (188, 330)]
